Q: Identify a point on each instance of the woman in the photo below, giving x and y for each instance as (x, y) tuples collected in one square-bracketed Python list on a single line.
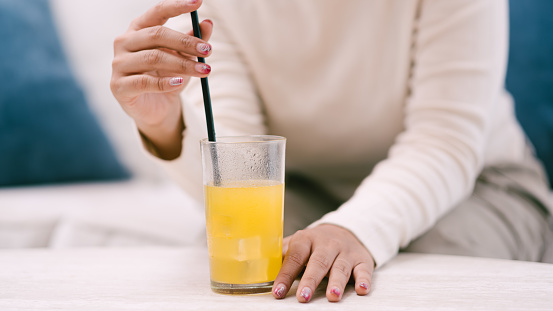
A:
[(400, 135)]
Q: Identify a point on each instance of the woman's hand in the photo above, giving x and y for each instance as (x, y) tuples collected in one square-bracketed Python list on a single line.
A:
[(152, 65), (326, 250)]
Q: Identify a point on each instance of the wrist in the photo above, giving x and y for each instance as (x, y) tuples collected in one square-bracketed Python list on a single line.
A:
[(163, 141)]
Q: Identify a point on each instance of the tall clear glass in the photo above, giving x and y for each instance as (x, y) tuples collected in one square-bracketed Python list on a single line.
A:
[(244, 199)]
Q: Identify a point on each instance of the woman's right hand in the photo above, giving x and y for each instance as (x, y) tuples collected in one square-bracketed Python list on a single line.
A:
[(152, 65)]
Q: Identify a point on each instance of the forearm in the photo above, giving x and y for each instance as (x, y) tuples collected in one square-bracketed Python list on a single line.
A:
[(433, 164)]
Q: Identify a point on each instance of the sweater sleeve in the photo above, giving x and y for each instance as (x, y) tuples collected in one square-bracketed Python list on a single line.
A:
[(459, 59), (236, 106)]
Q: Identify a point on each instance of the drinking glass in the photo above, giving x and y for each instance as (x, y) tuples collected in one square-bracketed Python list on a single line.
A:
[(244, 197)]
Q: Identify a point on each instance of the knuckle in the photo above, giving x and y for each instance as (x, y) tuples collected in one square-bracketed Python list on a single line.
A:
[(187, 41), (362, 258), (300, 234), (342, 267), (160, 6), (186, 65), (364, 270), (156, 33), (153, 57), (296, 259), (114, 85), (298, 238), (134, 22), (119, 40), (321, 261), (116, 63), (160, 85), (334, 243), (141, 83)]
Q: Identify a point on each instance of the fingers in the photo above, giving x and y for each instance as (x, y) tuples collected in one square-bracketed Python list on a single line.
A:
[(206, 29), (327, 250), (158, 60), (298, 253), (362, 274), (317, 268), (338, 278), (163, 11), (162, 37), (131, 86), (149, 55)]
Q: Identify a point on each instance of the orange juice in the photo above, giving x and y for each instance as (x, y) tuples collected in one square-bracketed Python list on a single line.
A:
[(244, 231)]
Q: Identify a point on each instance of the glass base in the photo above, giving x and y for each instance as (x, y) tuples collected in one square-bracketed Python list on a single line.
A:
[(241, 289)]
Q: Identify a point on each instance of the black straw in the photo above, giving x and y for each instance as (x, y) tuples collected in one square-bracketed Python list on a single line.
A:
[(205, 85), (207, 107)]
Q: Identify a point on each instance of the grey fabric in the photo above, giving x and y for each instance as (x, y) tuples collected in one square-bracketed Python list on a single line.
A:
[(304, 202), (507, 216)]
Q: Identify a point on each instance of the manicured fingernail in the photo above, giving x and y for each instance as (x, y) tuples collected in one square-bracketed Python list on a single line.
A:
[(363, 285), (279, 291), (176, 81), (306, 293), (335, 291), (203, 48), (203, 68)]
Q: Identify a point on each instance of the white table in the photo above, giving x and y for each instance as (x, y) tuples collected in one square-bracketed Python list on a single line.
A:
[(178, 279)]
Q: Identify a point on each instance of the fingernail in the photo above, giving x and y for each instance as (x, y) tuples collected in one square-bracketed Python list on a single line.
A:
[(176, 81), (335, 291), (192, 1), (363, 285), (306, 293), (203, 68), (203, 48), (279, 291)]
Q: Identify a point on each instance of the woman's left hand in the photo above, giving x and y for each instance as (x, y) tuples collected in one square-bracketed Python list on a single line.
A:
[(324, 250)]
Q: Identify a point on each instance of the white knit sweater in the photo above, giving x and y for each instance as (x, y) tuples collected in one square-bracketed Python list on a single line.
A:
[(392, 105)]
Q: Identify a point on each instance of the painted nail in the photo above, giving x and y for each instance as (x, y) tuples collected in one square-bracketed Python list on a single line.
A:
[(203, 68), (335, 291), (203, 48), (306, 293), (279, 291), (363, 285), (176, 81)]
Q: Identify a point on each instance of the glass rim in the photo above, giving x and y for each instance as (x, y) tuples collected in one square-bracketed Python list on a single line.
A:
[(244, 139)]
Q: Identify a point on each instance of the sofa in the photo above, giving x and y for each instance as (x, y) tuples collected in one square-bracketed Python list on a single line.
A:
[(87, 182), (80, 178)]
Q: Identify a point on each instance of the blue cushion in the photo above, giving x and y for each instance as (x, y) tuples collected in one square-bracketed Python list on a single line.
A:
[(47, 131), (530, 73)]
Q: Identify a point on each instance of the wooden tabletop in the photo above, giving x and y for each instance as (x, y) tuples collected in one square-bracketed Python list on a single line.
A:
[(178, 279)]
